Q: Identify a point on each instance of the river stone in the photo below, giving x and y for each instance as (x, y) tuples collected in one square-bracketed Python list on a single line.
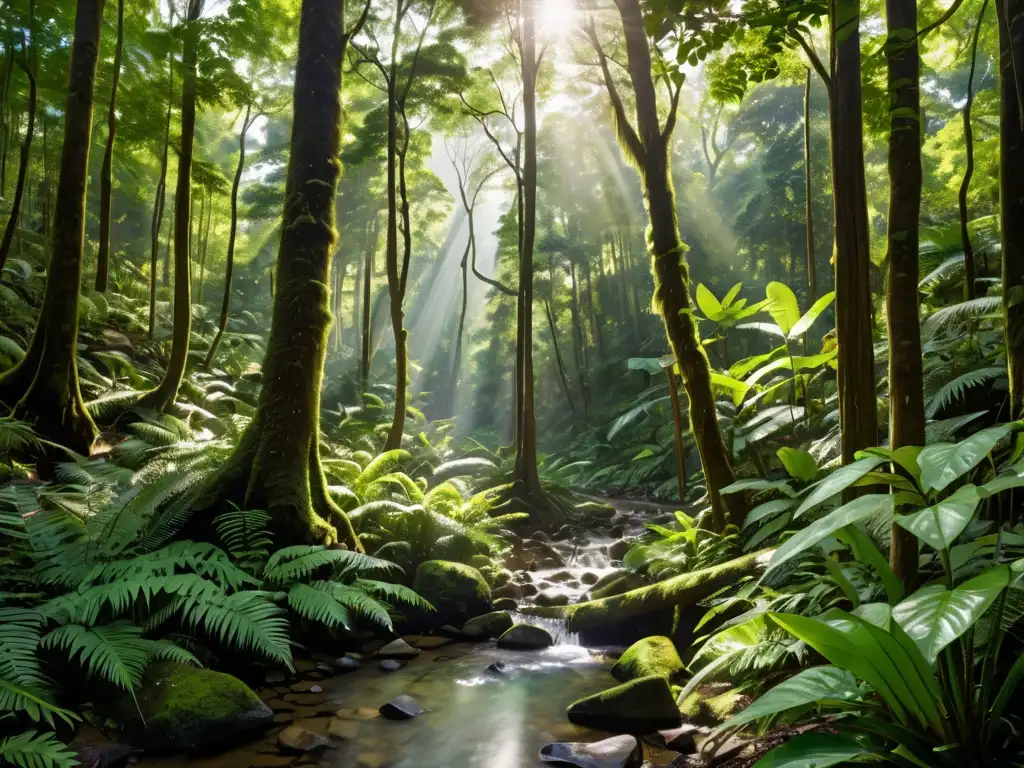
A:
[(183, 708), (526, 637), (550, 599), (496, 668), (95, 749), (346, 664), (639, 706), (651, 656), (296, 740), (402, 708), (397, 649), (343, 729), (391, 665), (487, 626), (615, 752), (589, 578), (618, 549), (682, 739), (458, 592), (506, 604)]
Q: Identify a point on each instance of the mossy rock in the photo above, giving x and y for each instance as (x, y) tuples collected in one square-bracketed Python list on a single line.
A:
[(458, 591), (479, 562), (525, 637), (184, 708), (489, 625), (651, 656), (460, 548), (638, 707), (623, 582), (711, 706)]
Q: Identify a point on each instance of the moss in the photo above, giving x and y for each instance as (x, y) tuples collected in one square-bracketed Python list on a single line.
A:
[(705, 707), (652, 656), (639, 706), (479, 562), (456, 590), (175, 696), (625, 582)]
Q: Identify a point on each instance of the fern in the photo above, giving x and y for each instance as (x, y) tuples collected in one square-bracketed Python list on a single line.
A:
[(393, 593), (380, 466), (982, 307), (472, 467), (246, 621), (117, 652), (318, 605), (244, 533), (36, 750), (300, 562), (356, 601), (956, 389)]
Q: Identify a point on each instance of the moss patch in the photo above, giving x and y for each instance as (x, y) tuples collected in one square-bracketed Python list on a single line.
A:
[(711, 706), (651, 656), (639, 706), (457, 591)]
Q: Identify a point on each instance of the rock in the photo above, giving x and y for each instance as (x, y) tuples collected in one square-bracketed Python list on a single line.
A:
[(560, 576), (343, 730), (275, 676), (548, 599), (427, 642), (529, 590), (315, 689), (594, 510), (118, 342), (284, 718), (296, 740), (589, 577), (346, 664), (505, 604), (449, 631), (562, 533), (323, 668), (682, 739), (526, 637), (651, 656), (458, 592), (618, 549), (391, 665), (397, 649), (95, 749), (306, 699), (479, 562), (540, 536), (459, 548), (487, 626), (508, 590), (615, 752), (713, 704), (618, 531), (497, 668), (402, 708), (639, 706), (183, 708)]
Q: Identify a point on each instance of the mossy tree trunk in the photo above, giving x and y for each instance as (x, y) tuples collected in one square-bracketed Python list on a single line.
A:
[(161, 196), (647, 146), (970, 269), (107, 171), (225, 305), (162, 397), (276, 465), (26, 149), (365, 336), (812, 272), (906, 386), (43, 388), (1011, 191)]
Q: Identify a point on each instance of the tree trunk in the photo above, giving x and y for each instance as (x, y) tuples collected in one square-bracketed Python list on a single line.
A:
[(906, 386), (107, 172), (578, 340), (225, 306), (453, 378), (5, 111), (43, 387), (970, 269), (276, 466), (812, 273), (677, 431), (205, 246), (158, 202), (559, 362), (671, 292), (162, 397), (857, 407), (365, 335), (26, 154), (595, 322), (1011, 193)]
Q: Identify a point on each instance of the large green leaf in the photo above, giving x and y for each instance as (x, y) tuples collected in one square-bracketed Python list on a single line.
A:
[(936, 616), (815, 749), (859, 509), (652, 365), (939, 525), (812, 314), (943, 463), (737, 389), (805, 688), (799, 464), (782, 305), (707, 302), (839, 481)]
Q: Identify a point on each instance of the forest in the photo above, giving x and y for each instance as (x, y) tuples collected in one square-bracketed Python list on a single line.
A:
[(458, 383)]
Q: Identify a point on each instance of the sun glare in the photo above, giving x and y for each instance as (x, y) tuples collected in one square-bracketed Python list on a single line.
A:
[(556, 18)]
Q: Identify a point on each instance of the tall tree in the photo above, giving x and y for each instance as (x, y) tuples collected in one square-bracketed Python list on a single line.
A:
[(107, 172), (970, 269), (161, 189), (1011, 190), (43, 387), (276, 465), (906, 386)]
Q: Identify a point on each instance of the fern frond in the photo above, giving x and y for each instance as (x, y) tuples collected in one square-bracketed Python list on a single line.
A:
[(117, 652), (300, 562), (246, 621), (356, 601), (983, 306), (318, 606), (381, 465), (957, 388), (244, 532), (393, 593), (36, 750), (471, 467)]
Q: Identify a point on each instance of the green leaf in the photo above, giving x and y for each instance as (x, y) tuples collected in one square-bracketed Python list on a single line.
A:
[(760, 485), (859, 509), (736, 388), (839, 481), (807, 687), (814, 750), (943, 463), (783, 306), (812, 314), (935, 616), (939, 525), (799, 464), (707, 302), (768, 509), (730, 297), (651, 365), (36, 750), (867, 552)]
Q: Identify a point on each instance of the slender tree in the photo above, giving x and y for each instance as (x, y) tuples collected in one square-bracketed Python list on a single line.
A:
[(161, 193), (43, 387), (812, 271), (970, 269), (1011, 190), (107, 171)]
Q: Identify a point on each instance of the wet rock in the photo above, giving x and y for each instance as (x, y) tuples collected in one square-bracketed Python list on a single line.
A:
[(181, 708), (275, 676), (343, 729), (324, 668), (651, 656), (449, 631), (562, 533), (618, 549), (397, 649), (617, 531), (487, 626), (280, 705), (548, 599), (346, 664), (402, 708), (458, 592), (271, 760), (529, 590), (616, 752), (505, 604), (306, 699), (682, 739), (540, 536), (427, 642), (304, 687), (559, 577), (497, 668), (95, 749), (284, 718), (507, 590), (391, 665), (639, 706), (589, 578), (526, 637), (296, 740)]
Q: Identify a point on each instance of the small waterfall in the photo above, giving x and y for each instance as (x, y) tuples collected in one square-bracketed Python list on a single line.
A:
[(555, 626)]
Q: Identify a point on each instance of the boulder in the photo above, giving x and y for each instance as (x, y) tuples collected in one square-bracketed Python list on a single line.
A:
[(97, 750), (639, 706), (487, 626), (618, 549), (183, 708), (616, 752), (397, 649), (589, 578), (402, 708), (343, 729), (505, 604), (547, 599), (346, 664), (458, 592), (296, 740), (526, 637), (651, 656)]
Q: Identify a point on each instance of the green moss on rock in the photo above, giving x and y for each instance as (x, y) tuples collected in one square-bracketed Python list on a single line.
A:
[(458, 591), (651, 656), (638, 707), (706, 706)]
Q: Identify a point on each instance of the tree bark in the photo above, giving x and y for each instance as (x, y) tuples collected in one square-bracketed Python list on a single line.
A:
[(365, 335), (26, 154), (812, 272), (276, 466), (970, 268), (225, 305), (162, 397), (107, 172), (1011, 192), (206, 245), (559, 362), (906, 386), (160, 199), (677, 431), (43, 387)]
